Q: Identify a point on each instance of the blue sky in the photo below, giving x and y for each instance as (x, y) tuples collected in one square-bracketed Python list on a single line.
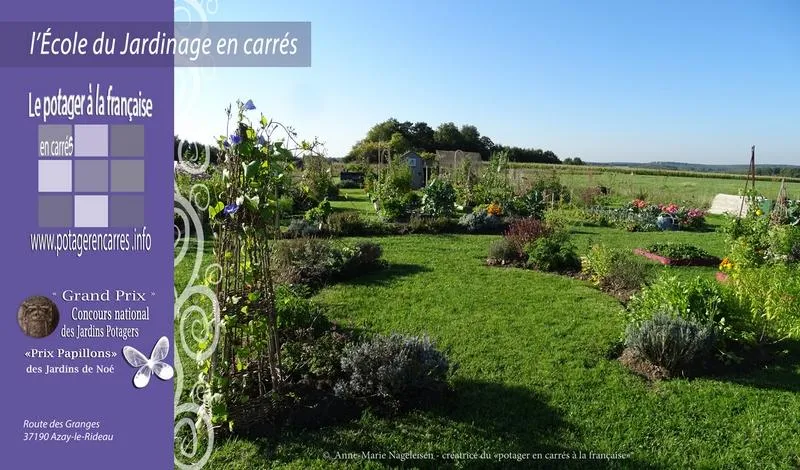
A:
[(604, 81)]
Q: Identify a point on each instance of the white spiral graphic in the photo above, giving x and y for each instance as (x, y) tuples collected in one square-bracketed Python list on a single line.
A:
[(196, 311)]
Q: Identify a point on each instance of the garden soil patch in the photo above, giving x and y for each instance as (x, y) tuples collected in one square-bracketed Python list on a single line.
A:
[(641, 366)]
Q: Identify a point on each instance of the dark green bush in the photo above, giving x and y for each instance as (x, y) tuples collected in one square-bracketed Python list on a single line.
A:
[(346, 223), (313, 261), (615, 269), (360, 258), (554, 252), (676, 344), (394, 372), (309, 261), (420, 224)]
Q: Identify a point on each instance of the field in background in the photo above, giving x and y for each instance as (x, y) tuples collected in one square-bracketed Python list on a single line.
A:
[(693, 188)]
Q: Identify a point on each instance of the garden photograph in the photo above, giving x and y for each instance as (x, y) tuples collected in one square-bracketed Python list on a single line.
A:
[(554, 248)]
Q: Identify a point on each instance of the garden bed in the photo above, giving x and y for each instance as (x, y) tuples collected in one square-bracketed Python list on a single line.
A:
[(677, 255)]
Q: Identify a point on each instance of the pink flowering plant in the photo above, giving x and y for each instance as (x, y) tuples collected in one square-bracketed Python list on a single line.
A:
[(640, 215)]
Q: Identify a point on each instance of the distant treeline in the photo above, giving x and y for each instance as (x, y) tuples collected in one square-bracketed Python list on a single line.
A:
[(400, 137), (649, 171), (761, 170), (789, 172)]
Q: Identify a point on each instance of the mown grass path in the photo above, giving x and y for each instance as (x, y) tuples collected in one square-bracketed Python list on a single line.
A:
[(534, 377)]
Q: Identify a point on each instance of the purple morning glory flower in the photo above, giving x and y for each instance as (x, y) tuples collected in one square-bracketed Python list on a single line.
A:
[(262, 140), (236, 139), (226, 144), (249, 105), (231, 209)]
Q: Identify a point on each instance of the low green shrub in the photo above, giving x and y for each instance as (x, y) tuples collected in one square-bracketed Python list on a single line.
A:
[(394, 207), (347, 223), (364, 256), (676, 344), (615, 269), (295, 311), (771, 297), (522, 232), (433, 225), (700, 300), (554, 252), (302, 228), (309, 261), (784, 243), (480, 222), (314, 261), (319, 214), (503, 251), (394, 372)]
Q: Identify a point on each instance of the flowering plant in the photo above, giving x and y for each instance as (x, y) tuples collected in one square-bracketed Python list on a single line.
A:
[(686, 217), (494, 209), (726, 265)]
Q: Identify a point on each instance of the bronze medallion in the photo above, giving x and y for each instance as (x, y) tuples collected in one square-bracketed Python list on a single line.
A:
[(38, 316)]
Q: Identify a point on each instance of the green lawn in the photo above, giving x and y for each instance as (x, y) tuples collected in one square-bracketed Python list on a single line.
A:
[(534, 374), (354, 200)]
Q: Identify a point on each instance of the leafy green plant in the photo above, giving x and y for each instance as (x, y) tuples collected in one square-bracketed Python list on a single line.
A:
[(784, 243), (317, 180), (678, 251), (392, 190), (495, 185), (674, 343), (771, 297), (748, 239), (697, 299), (319, 215), (554, 252), (615, 269), (438, 198), (394, 372), (531, 203)]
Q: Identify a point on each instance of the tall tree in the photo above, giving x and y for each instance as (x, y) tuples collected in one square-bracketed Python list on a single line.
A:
[(448, 137), (422, 137), (399, 144), (382, 132)]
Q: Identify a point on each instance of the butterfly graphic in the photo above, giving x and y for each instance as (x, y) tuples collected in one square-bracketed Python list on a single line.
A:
[(147, 366)]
